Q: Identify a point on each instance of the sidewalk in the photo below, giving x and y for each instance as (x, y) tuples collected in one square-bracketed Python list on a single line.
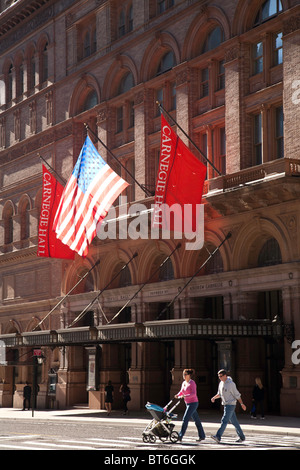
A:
[(282, 425)]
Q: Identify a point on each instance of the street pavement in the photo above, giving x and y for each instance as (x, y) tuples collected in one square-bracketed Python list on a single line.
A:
[(277, 425), (120, 437)]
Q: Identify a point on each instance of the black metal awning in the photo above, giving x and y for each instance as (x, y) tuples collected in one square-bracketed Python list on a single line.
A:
[(163, 330)]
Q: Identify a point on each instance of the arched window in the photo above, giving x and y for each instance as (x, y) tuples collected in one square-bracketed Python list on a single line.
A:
[(89, 283), (25, 222), (9, 84), (32, 72), (91, 100), (166, 272), (45, 63), (125, 277), (270, 253), (8, 224), (127, 83), (215, 264), (20, 82), (268, 10), (213, 39), (166, 63)]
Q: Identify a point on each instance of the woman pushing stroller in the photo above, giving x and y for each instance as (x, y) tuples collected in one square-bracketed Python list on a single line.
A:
[(189, 392)]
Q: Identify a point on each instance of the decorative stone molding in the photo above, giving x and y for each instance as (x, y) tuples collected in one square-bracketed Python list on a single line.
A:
[(291, 25)]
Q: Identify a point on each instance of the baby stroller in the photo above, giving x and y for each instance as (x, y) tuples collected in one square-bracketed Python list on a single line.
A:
[(161, 425)]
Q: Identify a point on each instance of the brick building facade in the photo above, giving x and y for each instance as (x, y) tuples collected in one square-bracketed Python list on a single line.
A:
[(228, 73)]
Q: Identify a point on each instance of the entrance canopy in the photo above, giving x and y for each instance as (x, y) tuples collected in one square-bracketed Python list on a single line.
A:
[(187, 328)]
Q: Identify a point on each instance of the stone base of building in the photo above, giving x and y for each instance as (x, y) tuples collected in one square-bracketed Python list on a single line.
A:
[(290, 393)]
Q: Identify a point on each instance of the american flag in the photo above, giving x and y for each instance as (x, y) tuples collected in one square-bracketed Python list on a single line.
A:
[(87, 197)]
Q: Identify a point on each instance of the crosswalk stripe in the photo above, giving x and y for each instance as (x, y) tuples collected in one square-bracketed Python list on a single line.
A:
[(36, 442), (49, 444), (19, 447), (20, 436)]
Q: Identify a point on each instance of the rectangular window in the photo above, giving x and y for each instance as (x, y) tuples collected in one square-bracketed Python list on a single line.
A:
[(223, 151), (120, 119), (163, 5), (173, 96), (21, 80), (9, 85), (203, 148), (257, 139), (277, 49), (258, 58), (204, 83), (279, 132), (159, 96), (32, 72), (221, 75), (45, 64), (131, 114)]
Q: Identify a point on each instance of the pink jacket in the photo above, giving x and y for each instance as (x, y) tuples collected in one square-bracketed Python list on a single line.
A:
[(188, 391)]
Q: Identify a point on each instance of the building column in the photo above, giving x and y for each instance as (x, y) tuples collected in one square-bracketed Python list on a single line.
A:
[(140, 145), (290, 392), (182, 102), (233, 109), (291, 89), (102, 117)]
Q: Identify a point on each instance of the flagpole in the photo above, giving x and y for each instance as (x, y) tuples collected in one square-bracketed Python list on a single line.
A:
[(51, 168), (143, 188), (143, 285), (65, 296), (81, 314), (192, 142), (194, 275)]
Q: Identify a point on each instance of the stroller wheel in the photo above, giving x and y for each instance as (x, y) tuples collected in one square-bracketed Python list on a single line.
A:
[(174, 436), (152, 438), (145, 438)]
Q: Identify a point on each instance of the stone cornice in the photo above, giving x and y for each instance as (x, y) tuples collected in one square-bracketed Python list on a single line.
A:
[(26, 16)]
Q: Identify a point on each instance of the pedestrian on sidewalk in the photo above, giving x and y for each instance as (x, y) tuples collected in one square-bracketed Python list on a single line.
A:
[(258, 397), (26, 396), (188, 391), (125, 390), (229, 395), (109, 396)]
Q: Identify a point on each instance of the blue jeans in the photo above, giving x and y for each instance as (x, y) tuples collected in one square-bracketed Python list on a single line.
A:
[(191, 412), (229, 416)]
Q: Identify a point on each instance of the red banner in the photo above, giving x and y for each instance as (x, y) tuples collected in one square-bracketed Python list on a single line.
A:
[(179, 183), (48, 245)]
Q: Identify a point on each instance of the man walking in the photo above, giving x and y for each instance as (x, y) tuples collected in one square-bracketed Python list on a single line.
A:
[(229, 394)]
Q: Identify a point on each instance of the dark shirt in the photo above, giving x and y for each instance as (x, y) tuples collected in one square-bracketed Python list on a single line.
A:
[(258, 393), (109, 393), (27, 391)]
